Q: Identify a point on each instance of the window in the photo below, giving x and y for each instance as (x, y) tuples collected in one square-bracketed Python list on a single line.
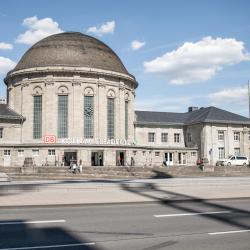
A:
[(1, 132), (88, 116), (126, 120), (111, 118), (236, 151), (164, 137), (248, 135), (51, 152), (143, 153), (193, 154), (37, 117), (237, 136), (157, 153), (221, 153), (6, 152), (151, 137), (189, 137), (20, 152), (176, 138), (35, 152), (62, 125), (221, 135)]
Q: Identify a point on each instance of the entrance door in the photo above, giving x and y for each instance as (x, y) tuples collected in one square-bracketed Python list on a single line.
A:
[(182, 158), (97, 158), (120, 158), (70, 158), (169, 159)]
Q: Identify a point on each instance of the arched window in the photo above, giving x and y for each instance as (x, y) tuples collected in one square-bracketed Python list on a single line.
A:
[(37, 113), (111, 115), (62, 121), (88, 113)]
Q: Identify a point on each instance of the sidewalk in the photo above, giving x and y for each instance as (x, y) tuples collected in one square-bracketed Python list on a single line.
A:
[(121, 191)]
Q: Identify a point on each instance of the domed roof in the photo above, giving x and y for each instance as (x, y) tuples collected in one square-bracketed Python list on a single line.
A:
[(71, 49)]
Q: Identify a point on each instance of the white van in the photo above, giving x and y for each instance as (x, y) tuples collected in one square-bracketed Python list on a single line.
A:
[(236, 160)]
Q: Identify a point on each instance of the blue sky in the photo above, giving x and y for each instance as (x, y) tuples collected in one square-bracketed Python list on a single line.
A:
[(188, 53)]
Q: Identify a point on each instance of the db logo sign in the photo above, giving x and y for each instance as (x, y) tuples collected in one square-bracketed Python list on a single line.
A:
[(49, 139)]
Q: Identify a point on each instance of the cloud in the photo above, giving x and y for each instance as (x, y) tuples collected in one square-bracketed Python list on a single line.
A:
[(38, 29), (235, 95), (198, 62), (106, 28), (136, 45), (6, 46), (6, 64)]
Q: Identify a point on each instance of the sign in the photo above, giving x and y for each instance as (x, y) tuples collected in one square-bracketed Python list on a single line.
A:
[(49, 139)]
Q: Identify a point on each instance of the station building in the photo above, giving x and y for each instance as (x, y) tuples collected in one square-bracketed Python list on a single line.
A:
[(70, 98)]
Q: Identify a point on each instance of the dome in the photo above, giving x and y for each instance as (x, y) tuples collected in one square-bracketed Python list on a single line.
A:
[(71, 49)]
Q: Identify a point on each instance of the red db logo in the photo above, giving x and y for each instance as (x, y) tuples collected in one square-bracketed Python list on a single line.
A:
[(49, 139)]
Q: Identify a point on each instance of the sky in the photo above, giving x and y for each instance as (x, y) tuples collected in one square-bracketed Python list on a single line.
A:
[(182, 53)]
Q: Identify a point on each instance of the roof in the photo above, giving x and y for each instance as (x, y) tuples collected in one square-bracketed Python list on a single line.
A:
[(202, 115), (8, 115), (71, 49)]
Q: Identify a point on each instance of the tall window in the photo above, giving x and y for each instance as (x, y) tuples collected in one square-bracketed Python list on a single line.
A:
[(189, 137), (37, 117), (111, 118), (88, 116), (237, 136), (220, 135), (151, 137), (126, 119), (221, 153), (62, 125), (177, 138), (1, 132), (164, 137)]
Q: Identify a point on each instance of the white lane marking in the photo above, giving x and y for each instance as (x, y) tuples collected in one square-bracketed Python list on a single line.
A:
[(189, 214), (51, 246), (32, 222), (229, 232)]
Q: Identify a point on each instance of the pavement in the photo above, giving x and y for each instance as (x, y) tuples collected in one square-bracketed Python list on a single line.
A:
[(86, 192), (170, 225)]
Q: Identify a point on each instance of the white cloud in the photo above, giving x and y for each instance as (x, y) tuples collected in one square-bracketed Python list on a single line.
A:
[(235, 95), (197, 62), (6, 64), (38, 29), (135, 45), (106, 28), (6, 46)]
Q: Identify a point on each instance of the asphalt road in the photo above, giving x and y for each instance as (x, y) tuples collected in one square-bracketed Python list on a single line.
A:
[(173, 224)]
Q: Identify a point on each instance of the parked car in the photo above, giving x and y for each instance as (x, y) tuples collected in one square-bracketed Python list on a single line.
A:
[(236, 160)]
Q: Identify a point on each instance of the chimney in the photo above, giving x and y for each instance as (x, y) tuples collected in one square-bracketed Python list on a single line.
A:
[(190, 109)]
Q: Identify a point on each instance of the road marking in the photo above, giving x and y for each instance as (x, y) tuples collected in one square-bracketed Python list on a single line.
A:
[(229, 232), (32, 222), (190, 214), (51, 246)]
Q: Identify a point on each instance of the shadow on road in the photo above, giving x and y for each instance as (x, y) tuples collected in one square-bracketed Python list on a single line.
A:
[(18, 235), (236, 217)]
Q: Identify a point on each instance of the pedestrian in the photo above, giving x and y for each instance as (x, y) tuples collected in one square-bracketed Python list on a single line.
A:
[(74, 168), (80, 167)]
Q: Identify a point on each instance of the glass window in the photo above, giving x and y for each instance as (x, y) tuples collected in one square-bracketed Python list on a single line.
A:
[(126, 120), (88, 116), (221, 153), (236, 151), (236, 136), (1, 132), (193, 154), (157, 153), (248, 135), (189, 137), (35, 152), (6, 152), (176, 138), (20, 152), (111, 118), (221, 135), (164, 137), (51, 152), (151, 137), (37, 117), (62, 129)]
